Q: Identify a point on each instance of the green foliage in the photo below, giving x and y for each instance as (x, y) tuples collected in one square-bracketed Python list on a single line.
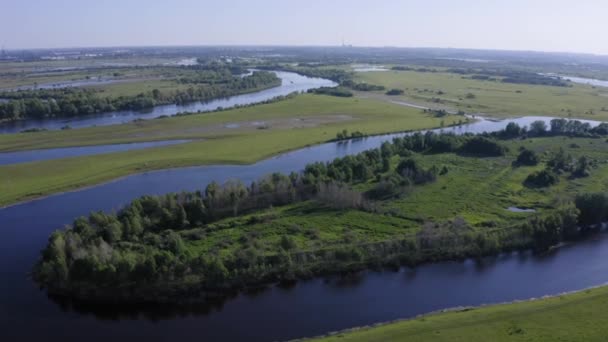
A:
[(527, 157), (332, 91), (593, 208), (362, 86), (395, 92), (70, 102), (482, 146), (541, 179)]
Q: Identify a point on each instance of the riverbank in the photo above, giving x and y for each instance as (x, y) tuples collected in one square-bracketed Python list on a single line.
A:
[(300, 121), (335, 229), (573, 316), (289, 83)]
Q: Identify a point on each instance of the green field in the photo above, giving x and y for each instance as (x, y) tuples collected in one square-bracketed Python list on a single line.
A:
[(491, 97), (572, 317), (289, 124), (498, 185), (26, 74)]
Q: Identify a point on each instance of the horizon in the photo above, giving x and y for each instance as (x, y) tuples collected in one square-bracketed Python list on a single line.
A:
[(535, 26), (557, 52)]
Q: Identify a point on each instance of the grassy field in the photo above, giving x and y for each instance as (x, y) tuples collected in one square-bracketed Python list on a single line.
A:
[(493, 98), (290, 124), (36, 74), (498, 185), (572, 317), (324, 113)]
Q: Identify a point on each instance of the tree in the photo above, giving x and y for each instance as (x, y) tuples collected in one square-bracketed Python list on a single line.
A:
[(236, 191), (527, 157), (512, 130), (593, 208), (537, 128), (582, 167), (541, 179)]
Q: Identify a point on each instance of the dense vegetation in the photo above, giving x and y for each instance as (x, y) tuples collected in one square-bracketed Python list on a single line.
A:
[(70, 102), (332, 91), (511, 76), (154, 246), (394, 92), (337, 75), (362, 86)]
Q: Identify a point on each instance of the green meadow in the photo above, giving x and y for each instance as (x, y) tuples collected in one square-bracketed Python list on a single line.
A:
[(494, 98), (236, 136), (476, 190)]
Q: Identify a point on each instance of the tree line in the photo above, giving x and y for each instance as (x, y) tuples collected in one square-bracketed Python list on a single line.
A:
[(71, 102)]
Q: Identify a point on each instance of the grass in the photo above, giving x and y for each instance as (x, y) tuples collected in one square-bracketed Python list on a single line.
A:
[(572, 317), (294, 123), (497, 186), (493, 98), (368, 116)]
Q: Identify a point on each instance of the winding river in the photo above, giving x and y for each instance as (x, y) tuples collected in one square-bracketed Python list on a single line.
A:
[(290, 82), (276, 313)]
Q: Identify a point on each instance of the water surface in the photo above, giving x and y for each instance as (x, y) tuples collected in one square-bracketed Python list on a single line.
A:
[(290, 82), (368, 67), (308, 308), (8, 158), (589, 81)]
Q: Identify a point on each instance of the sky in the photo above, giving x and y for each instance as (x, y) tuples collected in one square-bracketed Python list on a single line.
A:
[(540, 25)]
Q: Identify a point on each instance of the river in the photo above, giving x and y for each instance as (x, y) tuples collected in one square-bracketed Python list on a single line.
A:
[(9, 158), (589, 81), (277, 313), (290, 82), (580, 80)]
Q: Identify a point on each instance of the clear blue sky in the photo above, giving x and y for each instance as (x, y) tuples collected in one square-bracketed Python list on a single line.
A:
[(547, 25)]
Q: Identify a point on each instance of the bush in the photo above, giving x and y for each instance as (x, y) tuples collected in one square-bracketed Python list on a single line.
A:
[(483, 146), (337, 91), (541, 179), (527, 157), (394, 92)]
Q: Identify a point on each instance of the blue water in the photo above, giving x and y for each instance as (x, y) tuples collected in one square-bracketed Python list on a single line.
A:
[(8, 158), (278, 313), (290, 83)]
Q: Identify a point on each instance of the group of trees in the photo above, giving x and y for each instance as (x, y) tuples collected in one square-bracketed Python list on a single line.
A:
[(362, 86), (510, 76), (332, 91), (337, 75), (395, 92), (556, 127), (70, 102), (345, 135), (407, 68), (558, 163), (527, 157)]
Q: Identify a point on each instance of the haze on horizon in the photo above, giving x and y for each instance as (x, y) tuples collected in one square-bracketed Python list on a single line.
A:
[(539, 25)]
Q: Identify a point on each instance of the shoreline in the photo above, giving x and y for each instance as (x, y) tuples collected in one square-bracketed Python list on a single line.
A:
[(445, 310), (265, 157)]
